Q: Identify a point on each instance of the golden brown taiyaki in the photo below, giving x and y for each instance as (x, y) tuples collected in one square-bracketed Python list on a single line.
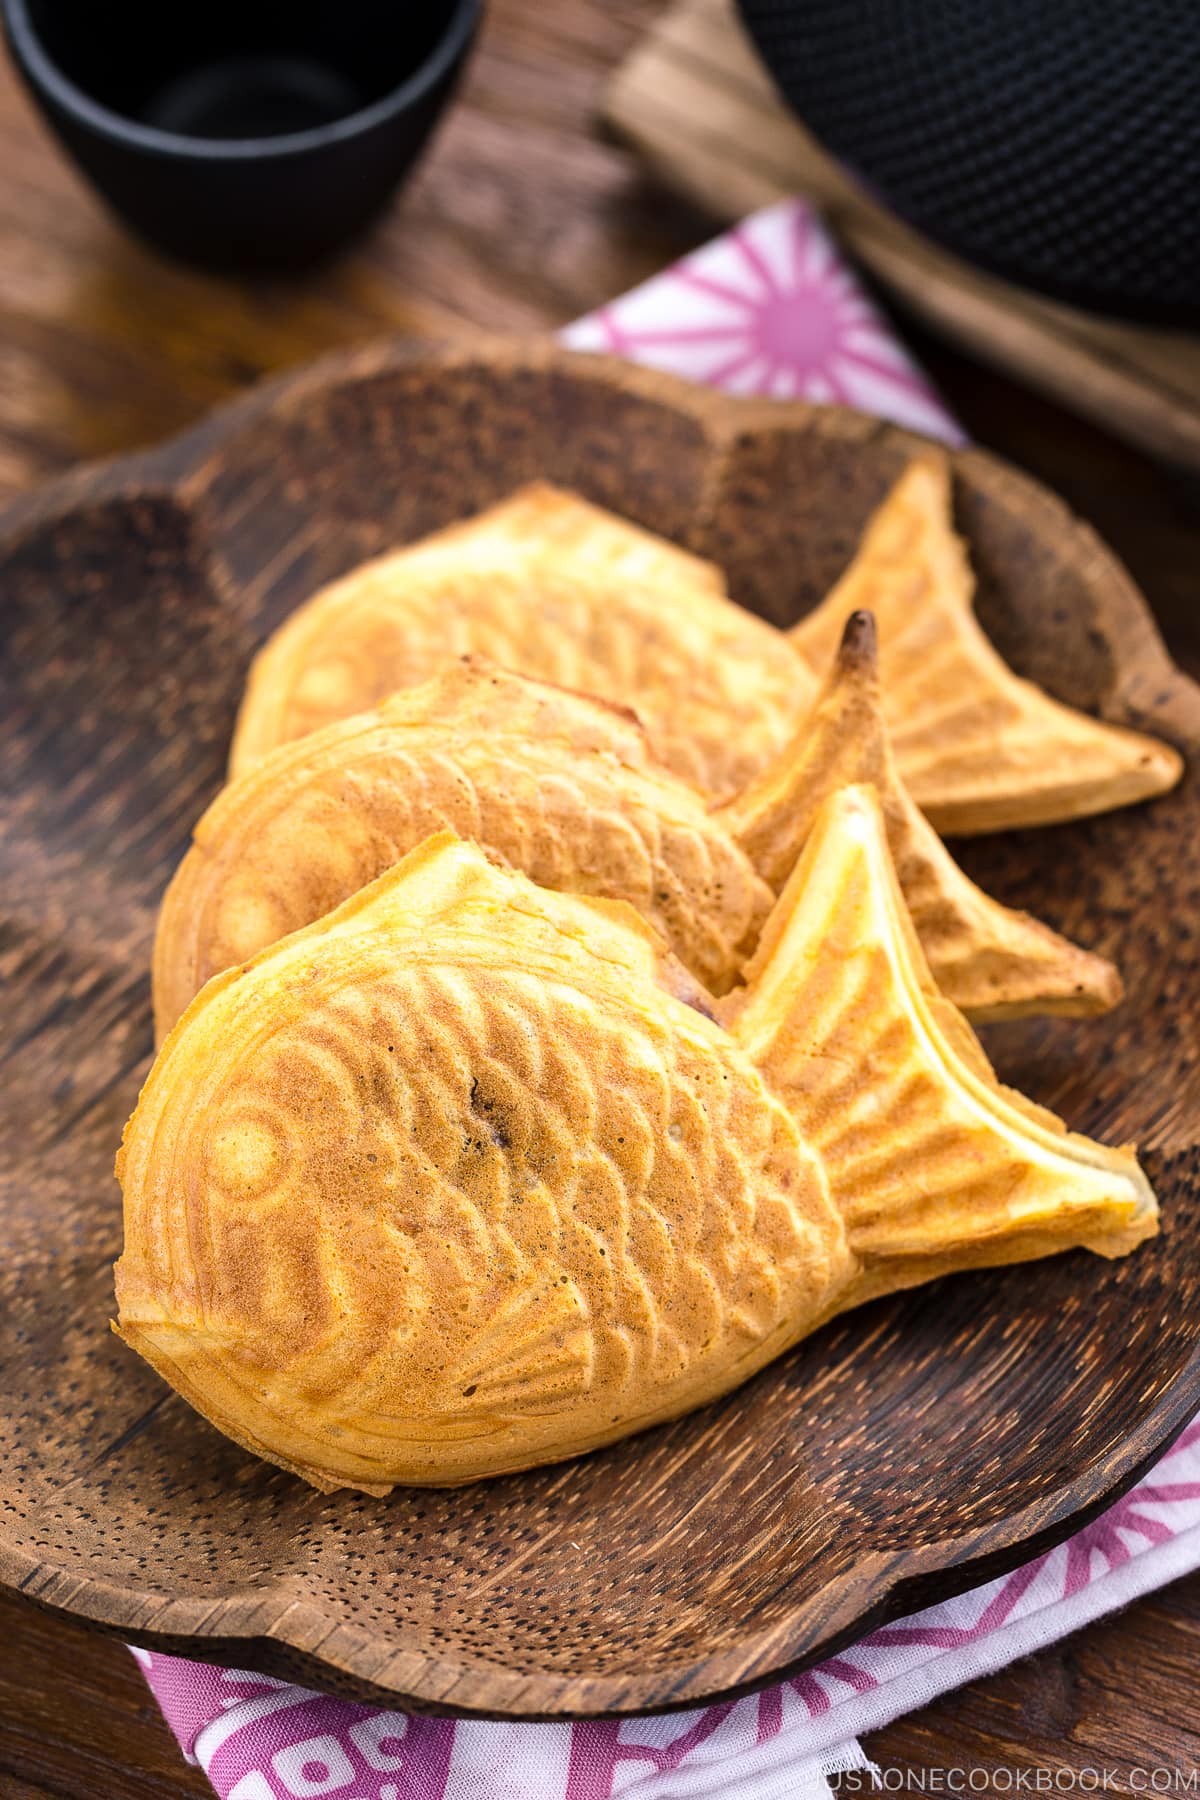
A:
[(566, 789), (979, 749), (557, 784), (555, 588), (464, 1178)]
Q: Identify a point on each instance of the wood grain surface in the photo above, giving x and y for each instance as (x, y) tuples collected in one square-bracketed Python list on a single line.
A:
[(522, 216), (697, 102)]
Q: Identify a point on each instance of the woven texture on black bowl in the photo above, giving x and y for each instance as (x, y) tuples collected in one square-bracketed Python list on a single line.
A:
[(1055, 145)]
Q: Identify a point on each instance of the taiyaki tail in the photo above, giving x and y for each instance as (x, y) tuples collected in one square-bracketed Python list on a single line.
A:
[(979, 749), (934, 1165), (992, 962)]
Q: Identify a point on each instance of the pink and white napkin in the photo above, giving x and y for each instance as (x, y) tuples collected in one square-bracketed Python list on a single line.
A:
[(769, 308)]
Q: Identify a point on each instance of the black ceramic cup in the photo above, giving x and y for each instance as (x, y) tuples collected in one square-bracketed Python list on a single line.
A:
[(243, 133)]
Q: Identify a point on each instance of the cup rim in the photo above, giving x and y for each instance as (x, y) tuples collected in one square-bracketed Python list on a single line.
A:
[(28, 50)]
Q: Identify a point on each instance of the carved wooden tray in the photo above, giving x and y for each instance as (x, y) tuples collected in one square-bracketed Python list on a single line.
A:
[(907, 1451)]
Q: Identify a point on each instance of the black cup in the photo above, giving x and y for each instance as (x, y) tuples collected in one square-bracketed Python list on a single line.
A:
[(243, 134)]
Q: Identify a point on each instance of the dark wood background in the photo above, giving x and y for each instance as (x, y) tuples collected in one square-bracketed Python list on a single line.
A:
[(521, 218)]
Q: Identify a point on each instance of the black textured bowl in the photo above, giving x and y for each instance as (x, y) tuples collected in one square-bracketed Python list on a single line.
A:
[(242, 134), (1055, 145)]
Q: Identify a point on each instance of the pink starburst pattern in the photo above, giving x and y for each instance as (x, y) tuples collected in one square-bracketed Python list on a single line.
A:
[(815, 1686), (1109, 1536), (770, 308), (1122, 1532)]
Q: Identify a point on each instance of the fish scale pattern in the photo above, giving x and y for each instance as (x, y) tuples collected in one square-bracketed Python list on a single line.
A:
[(319, 820), (718, 690), (458, 1213)]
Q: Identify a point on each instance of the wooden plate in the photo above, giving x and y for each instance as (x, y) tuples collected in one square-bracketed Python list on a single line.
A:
[(908, 1451)]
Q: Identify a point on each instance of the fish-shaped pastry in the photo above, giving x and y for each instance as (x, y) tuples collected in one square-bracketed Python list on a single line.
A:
[(567, 789), (558, 784), (555, 588), (466, 1176)]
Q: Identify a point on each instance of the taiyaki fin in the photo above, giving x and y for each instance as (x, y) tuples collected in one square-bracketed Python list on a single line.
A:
[(470, 694), (536, 1350), (978, 748), (992, 962), (934, 1164)]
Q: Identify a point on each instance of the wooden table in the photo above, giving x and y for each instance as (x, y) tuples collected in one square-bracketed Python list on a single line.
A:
[(521, 218)]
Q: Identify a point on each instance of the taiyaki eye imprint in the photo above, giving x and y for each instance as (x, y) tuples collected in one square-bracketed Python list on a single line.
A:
[(450, 1184), (453, 1183), (556, 784), (979, 749), (556, 590)]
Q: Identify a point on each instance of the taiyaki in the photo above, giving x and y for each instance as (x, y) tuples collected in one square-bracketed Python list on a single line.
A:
[(567, 789), (558, 784), (555, 588), (979, 749), (466, 1176)]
